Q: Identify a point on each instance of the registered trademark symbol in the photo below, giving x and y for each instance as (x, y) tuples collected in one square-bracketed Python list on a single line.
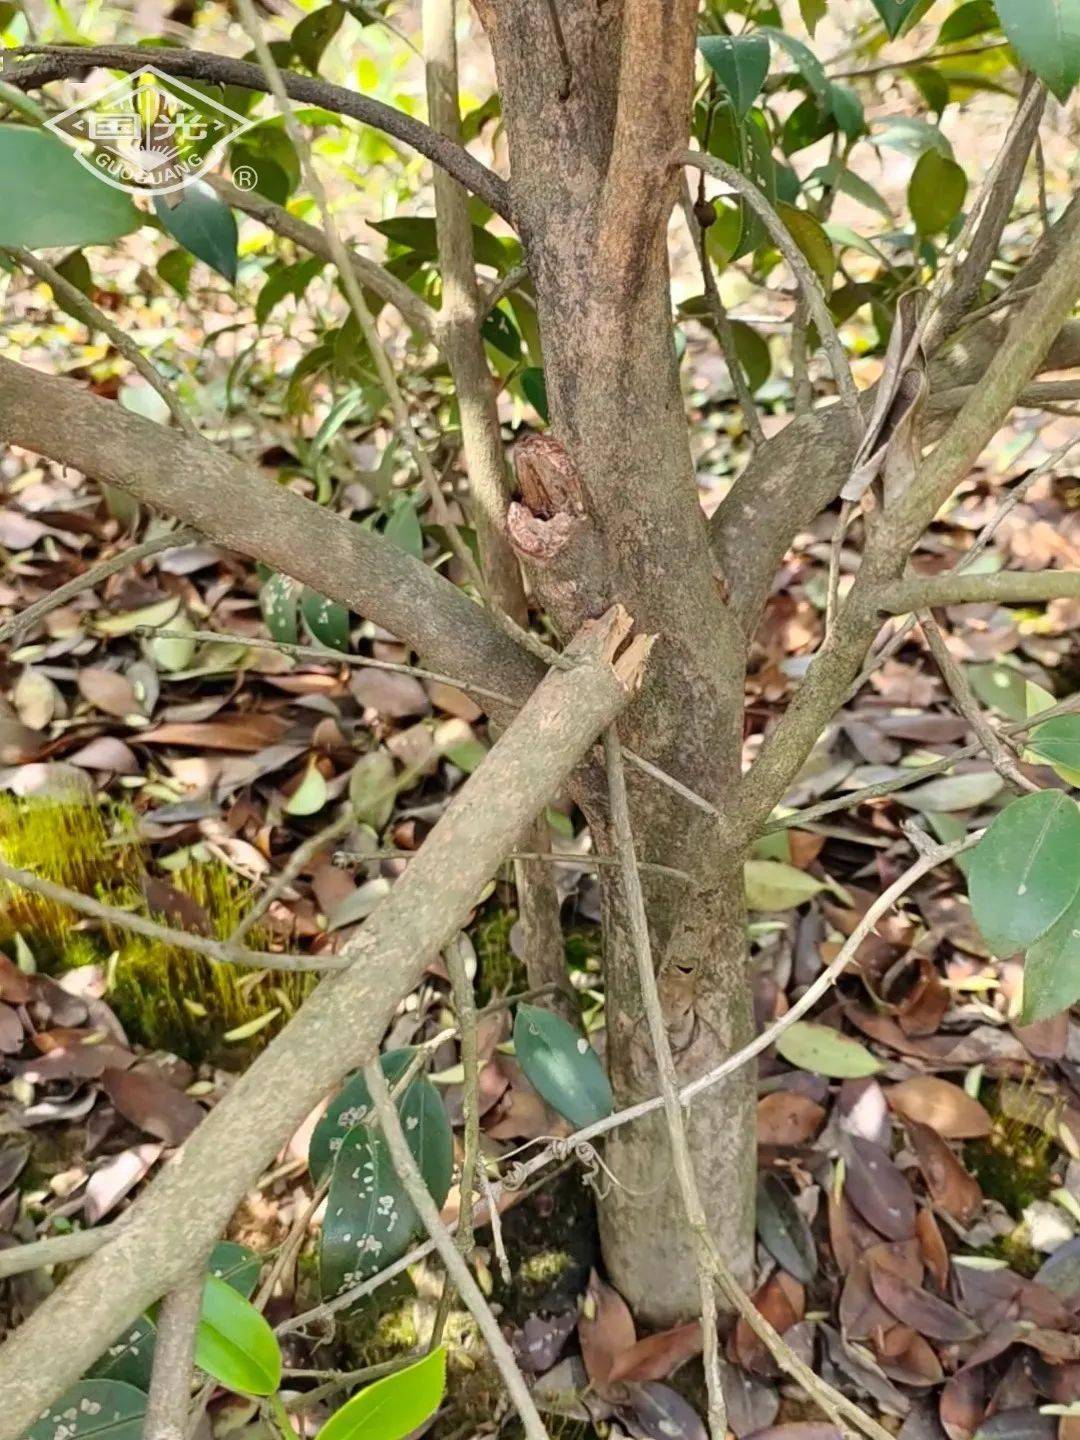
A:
[(245, 177)]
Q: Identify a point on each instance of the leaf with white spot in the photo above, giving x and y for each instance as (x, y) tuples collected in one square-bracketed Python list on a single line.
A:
[(370, 1221), (1025, 872), (106, 1409), (326, 619), (561, 1064)]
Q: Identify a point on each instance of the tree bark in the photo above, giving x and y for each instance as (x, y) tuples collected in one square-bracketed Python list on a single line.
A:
[(597, 100)]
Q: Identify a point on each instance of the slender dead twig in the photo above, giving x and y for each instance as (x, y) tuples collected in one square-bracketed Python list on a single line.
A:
[(470, 1292), (174, 1357), (634, 900), (154, 545), (997, 751)]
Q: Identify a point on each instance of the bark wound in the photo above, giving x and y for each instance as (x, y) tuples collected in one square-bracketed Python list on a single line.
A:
[(550, 510)]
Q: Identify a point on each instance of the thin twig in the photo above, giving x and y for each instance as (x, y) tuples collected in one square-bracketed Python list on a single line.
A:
[(54, 1250), (465, 1004), (808, 283), (174, 1356), (409, 1174), (634, 900), (218, 950), (76, 302), (997, 751), (913, 62), (122, 560), (300, 857), (290, 1246), (722, 320)]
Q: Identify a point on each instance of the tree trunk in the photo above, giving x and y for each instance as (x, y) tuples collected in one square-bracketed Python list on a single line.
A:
[(592, 190)]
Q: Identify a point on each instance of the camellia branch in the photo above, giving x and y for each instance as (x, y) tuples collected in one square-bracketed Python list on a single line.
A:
[(338, 1028), (174, 1356), (1002, 588), (35, 65)]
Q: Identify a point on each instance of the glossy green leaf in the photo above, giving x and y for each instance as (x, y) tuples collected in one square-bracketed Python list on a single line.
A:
[(974, 18), (203, 224), (848, 110), (1052, 969), (423, 1119), (283, 282), (1003, 688), (936, 193), (403, 528), (1025, 872), (233, 1342), (130, 1358), (931, 85), (370, 1221), (312, 34), (52, 199), (911, 135), (394, 1406), (311, 794), (1046, 36), (236, 1265), (754, 354), (104, 1409), (812, 12), (775, 885), (560, 1063), (783, 1229), (1057, 743), (267, 152), (417, 232), (534, 389), (809, 235), (805, 126), (894, 13), (824, 1051), (326, 619), (279, 598), (740, 63), (807, 64)]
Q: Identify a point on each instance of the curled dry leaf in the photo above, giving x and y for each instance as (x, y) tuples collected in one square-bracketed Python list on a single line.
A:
[(951, 1188), (946, 1108), (782, 1300), (657, 1356), (109, 691), (963, 1404), (152, 1104), (925, 1313), (605, 1330), (788, 1118), (112, 1181), (878, 1190)]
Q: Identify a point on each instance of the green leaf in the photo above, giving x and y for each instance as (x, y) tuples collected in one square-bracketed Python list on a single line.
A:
[(534, 389), (1006, 690), (423, 1119), (560, 1063), (52, 199), (311, 794), (108, 1409), (278, 600), (805, 126), (824, 1051), (233, 1342), (849, 112), (894, 13), (809, 235), (283, 281), (372, 789), (370, 1221), (203, 224), (237, 1265), (417, 232), (1052, 969), (974, 18), (812, 12), (1057, 743), (754, 354), (783, 1229), (270, 155), (1024, 873), (932, 86), (912, 135), (1046, 36), (394, 1406), (311, 35), (807, 63), (953, 792), (936, 193), (774, 885), (740, 63), (129, 1359), (326, 619), (403, 528)]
